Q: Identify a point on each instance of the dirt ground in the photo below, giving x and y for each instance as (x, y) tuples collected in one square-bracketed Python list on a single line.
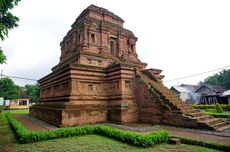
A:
[(30, 125)]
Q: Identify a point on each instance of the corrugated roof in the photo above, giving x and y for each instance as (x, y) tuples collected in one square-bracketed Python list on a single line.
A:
[(226, 93), (191, 88), (181, 89), (216, 88)]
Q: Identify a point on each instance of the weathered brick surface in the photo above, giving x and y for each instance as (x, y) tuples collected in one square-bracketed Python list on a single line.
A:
[(98, 79), (152, 110), (93, 82)]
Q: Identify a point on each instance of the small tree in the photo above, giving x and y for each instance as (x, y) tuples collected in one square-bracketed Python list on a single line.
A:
[(8, 90), (33, 91), (7, 21), (2, 57), (221, 79)]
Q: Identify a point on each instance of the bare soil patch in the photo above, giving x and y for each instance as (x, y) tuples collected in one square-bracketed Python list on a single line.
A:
[(29, 124)]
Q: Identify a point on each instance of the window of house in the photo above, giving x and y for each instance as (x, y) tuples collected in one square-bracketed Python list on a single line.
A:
[(22, 102), (92, 38)]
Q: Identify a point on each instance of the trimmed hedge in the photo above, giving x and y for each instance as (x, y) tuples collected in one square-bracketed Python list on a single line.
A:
[(211, 106), (25, 136), (218, 115), (204, 144)]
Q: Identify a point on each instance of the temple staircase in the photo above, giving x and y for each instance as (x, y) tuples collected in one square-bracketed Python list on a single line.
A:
[(167, 96)]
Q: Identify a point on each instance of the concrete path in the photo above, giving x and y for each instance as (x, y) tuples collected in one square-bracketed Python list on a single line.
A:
[(198, 136)]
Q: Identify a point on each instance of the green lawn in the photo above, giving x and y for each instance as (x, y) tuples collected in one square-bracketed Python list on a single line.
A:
[(96, 143), (213, 112), (82, 143), (22, 111)]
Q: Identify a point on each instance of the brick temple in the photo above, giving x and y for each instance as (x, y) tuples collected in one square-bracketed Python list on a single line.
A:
[(100, 79)]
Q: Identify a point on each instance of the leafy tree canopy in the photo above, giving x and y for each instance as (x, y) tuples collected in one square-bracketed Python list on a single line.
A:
[(33, 91), (8, 89), (7, 21), (2, 57), (221, 79)]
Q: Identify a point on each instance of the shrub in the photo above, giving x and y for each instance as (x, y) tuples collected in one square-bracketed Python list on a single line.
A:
[(2, 107), (205, 144), (132, 137), (210, 110), (219, 109), (25, 136), (211, 106), (218, 115)]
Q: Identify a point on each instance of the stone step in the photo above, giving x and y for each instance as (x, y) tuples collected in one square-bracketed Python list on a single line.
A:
[(168, 93), (215, 122), (180, 104), (197, 114), (202, 118), (223, 128), (174, 141), (212, 121), (186, 110), (220, 124), (190, 111), (171, 99)]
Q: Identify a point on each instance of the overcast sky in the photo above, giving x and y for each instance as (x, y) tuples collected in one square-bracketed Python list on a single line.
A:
[(181, 37)]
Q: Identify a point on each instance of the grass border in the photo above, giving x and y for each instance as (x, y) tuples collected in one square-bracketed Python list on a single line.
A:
[(206, 144), (211, 106), (25, 136), (218, 115)]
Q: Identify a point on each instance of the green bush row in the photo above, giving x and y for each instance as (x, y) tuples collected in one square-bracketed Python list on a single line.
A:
[(201, 106), (204, 144), (25, 136), (218, 115)]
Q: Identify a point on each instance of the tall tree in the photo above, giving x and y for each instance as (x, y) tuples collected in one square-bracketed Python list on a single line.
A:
[(7, 22), (8, 89), (221, 79), (33, 91)]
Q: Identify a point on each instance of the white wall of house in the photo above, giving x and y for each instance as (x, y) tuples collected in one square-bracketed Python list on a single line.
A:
[(1, 101), (7, 102), (23, 102), (19, 104), (184, 96)]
